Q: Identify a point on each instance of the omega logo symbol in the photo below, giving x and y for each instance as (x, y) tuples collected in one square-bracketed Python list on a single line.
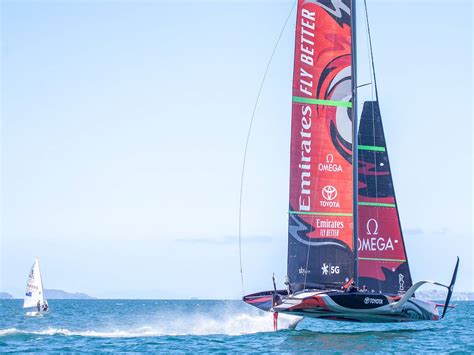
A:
[(329, 192), (329, 159), (372, 230)]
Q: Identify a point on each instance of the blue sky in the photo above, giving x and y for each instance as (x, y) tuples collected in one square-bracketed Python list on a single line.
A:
[(123, 128)]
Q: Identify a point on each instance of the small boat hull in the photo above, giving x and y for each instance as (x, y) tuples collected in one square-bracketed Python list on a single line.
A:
[(36, 313), (345, 306)]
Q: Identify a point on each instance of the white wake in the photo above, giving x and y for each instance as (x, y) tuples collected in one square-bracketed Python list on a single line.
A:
[(237, 324)]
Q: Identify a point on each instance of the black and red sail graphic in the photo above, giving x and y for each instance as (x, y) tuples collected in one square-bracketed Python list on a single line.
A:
[(382, 260), (320, 231)]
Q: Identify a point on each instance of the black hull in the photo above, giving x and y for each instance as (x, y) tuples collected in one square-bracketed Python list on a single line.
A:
[(345, 306)]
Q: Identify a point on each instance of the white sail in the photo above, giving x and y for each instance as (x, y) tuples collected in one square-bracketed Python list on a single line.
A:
[(34, 287)]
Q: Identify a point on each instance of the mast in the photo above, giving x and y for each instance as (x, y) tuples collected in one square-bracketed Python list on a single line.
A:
[(355, 159)]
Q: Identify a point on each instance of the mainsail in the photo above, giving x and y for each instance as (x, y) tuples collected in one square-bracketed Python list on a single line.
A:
[(320, 228), (34, 287), (383, 264)]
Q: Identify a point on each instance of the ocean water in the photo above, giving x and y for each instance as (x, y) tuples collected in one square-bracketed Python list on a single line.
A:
[(215, 326)]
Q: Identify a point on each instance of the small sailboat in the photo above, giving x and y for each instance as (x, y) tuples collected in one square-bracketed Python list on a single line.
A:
[(346, 254), (34, 295)]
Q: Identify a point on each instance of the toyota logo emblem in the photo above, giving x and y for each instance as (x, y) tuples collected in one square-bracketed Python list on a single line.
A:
[(329, 192)]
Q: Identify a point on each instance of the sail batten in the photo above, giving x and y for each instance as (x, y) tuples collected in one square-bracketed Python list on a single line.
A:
[(321, 213), (336, 103)]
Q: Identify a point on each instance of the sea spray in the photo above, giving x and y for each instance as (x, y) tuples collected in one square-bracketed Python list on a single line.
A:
[(195, 324), (228, 324), (198, 324)]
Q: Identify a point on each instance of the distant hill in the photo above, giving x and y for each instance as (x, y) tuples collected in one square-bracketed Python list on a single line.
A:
[(5, 296), (63, 295), (440, 295)]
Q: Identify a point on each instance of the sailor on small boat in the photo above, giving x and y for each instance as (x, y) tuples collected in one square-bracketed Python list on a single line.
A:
[(38, 306)]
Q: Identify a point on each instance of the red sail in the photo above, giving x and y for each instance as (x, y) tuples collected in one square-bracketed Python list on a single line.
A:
[(383, 265), (320, 231)]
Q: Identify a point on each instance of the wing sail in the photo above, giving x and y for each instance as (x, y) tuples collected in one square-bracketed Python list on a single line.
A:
[(320, 227)]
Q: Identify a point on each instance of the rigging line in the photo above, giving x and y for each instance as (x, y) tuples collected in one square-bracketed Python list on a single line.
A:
[(248, 139), (373, 214), (374, 88), (372, 109), (371, 50), (361, 86), (386, 148), (372, 71)]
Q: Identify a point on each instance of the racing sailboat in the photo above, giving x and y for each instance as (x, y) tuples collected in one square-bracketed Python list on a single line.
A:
[(34, 295), (346, 255)]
